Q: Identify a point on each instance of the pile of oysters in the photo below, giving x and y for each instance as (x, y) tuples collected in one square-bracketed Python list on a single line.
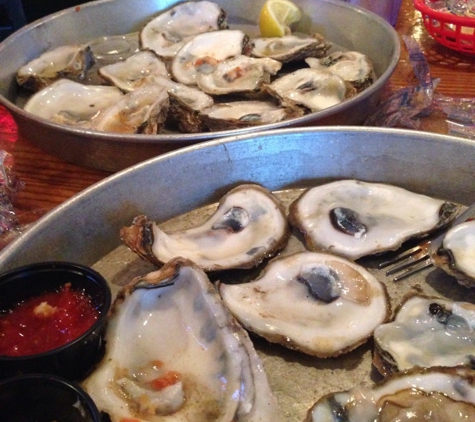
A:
[(192, 73), (178, 342)]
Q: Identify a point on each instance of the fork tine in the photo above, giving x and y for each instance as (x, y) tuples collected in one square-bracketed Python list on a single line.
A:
[(409, 262), (414, 269), (406, 255)]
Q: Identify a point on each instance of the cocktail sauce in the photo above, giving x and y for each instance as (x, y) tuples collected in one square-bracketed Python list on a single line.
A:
[(45, 322)]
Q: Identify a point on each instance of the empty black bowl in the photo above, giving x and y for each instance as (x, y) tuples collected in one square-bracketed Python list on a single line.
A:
[(45, 398), (75, 359)]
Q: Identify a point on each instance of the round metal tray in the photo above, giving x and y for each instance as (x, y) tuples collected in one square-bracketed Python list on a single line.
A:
[(347, 26), (85, 229)]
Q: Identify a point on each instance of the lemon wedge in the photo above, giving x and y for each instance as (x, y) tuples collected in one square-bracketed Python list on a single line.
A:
[(276, 17)]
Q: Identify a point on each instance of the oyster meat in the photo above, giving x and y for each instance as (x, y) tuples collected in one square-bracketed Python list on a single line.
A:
[(426, 331), (248, 226), (72, 103), (68, 61), (319, 304), (174, 353), (310, 89), (353, 218), (443, 395), (203, 52), (135, 71), (292, 47), (170, 30), (237, 114), (456, 256), (352, 66)]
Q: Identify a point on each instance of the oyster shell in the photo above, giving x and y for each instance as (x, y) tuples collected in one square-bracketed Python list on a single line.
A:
[(68, 61), (427, 331), (170, 30), (353, 218), (135, 71), (203, 52), (248, 226), (292, 47), (72, 103), (310, 89), (143, 110), (352, 66), (240, 74), (319, 304), (237, 114), (444, 395), (174, 352), (456, 256)]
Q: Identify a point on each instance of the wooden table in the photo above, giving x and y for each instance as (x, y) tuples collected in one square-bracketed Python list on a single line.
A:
[(49, 181)]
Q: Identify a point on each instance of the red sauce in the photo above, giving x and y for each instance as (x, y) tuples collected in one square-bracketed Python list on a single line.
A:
[(46, 322)]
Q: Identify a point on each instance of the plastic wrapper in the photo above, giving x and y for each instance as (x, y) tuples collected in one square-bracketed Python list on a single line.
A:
[(405, 107), (9, 186)]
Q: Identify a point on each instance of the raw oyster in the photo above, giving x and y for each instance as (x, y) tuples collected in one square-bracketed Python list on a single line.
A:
[(174, 353), (135, 71), (319, 304), (204, 51), (240, 74), (352, 66), (353, 218), (443, 395), (71, 103), (293, 47), (426, 331), (169, 31), (68, 61), (310, 89), (143, 110), (456, 256), (248, 226), (237, 114)]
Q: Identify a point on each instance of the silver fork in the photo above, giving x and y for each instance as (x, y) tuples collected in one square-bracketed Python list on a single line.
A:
[(415, 259)]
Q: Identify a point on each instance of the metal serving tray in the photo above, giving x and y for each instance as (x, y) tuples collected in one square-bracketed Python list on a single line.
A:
[(178, 187), (347, 26)]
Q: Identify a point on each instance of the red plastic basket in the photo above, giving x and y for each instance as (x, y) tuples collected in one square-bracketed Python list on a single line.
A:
[(455, 32)]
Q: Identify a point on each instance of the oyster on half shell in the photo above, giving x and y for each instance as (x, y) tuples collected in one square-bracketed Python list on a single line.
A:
[(169, 31), (68, 61), (248, 226), (175, 353), (438, 394), (456, 256), (292, 47), (426, 331), (353, 218), (319, 304)]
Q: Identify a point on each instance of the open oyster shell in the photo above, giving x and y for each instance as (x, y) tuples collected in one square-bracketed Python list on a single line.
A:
[(169, 31), (248, 226), (319, 304), (353, 218), (426, 332), (174, 353), (68, 61), (436, 394), (72, 103), (292, 47), (238, 114), (310, 89), (456, 256), (352, 66), (135, 71)]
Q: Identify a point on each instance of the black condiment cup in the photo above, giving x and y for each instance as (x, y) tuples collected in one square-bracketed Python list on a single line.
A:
[(45, 398), (75, 359)]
